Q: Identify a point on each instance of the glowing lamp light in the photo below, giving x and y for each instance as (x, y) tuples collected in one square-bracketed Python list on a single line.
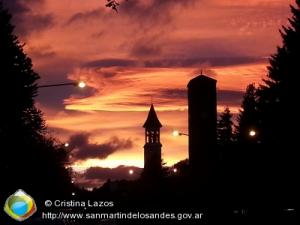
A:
[(67, 144), (176, 133), (73, 193), (175, 170), (131, 172), (82, 84), (290, 210), (252, 133)]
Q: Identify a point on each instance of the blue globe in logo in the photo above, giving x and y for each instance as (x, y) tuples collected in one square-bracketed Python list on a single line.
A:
[(20, 208)]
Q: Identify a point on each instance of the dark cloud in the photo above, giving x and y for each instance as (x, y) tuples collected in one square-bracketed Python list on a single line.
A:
[(56, 71), (132, 103), (192, 62), (34, 22), (120, 172), (48, 100), (154, 11), (15, 6), (84, 17), (111, 62), (176, 62), (84, 149), (148, 45), (54, 101), (169, 95), (58, 132), (230, 97), (98, 34), (146, 50), (42, 52), (25, 19), (193, 51), (225, 97), (153, 21), (97, 176)]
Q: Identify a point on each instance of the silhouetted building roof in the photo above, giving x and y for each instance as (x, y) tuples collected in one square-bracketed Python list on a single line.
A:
[(152, 119), (201, 79)]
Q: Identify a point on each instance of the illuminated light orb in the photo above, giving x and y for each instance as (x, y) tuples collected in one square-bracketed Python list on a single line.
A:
[(176, 133), (175, 170), (131, 172), (81, 84), (67, 144), (73, 193), (252, 133)]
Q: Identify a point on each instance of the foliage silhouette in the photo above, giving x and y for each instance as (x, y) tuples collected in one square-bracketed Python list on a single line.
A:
[(276, 106), (30, 159), (113, 4), (279, 92), (248, 117), (224, 128)]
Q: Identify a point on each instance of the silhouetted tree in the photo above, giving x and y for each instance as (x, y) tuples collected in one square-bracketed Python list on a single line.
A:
[(224, 128), (29, 159), (248, 118), (113, 4), (278, 98), (182, 167), (279, 94)]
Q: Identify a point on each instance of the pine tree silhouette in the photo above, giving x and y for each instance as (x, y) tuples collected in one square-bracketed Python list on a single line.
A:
[(277, 100), (29, 159), (224, 128), (279, 94), (248, 119)]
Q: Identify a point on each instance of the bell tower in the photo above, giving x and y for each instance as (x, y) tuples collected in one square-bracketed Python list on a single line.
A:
[(152, 147)]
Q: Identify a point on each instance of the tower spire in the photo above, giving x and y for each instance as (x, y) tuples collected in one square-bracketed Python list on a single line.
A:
[(152, 120), (152, 147)]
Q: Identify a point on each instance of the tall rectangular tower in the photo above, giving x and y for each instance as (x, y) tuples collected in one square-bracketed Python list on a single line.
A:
[(202, 111)]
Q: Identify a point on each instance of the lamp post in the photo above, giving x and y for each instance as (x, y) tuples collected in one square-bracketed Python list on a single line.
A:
[(79, 84), (176, 133)]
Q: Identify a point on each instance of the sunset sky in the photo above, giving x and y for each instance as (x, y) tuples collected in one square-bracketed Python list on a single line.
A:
[(147, 52)]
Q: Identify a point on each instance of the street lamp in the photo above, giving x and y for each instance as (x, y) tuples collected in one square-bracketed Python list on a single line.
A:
[(66, 144), (176, 133), (80, 84), (252, 133)]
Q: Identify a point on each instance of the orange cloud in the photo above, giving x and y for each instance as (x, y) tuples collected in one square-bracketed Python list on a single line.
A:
[(139, 54)]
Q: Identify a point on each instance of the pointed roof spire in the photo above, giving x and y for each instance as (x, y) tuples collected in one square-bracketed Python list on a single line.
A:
[(152, 119)]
